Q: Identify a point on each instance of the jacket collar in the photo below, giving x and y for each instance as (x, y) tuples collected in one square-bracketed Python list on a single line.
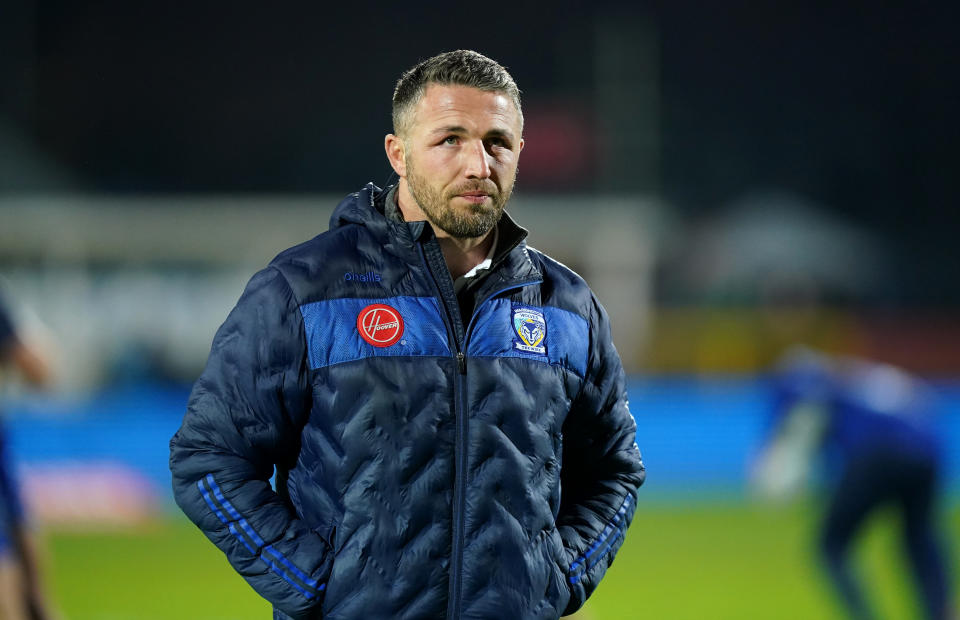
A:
[(368, 207)]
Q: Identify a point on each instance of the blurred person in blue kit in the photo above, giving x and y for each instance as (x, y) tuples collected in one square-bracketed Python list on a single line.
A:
[(21, 592), (443, 404), (873, 424)]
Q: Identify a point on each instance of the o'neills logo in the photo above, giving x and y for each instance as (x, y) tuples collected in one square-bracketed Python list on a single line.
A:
[(380, 325), (370, 276)]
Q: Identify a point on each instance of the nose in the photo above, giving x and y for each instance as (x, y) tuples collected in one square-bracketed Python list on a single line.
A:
[(477, 161)]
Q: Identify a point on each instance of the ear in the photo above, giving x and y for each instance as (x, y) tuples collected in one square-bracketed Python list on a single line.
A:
[(396, 152), (520, 146)]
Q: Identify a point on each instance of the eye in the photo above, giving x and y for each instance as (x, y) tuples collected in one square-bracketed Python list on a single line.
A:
[(498, 143), (451, 140)]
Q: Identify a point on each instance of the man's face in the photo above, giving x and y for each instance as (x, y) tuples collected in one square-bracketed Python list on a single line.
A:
[(461, 150)]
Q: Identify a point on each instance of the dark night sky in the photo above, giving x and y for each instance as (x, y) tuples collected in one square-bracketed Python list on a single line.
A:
[(853, 108)]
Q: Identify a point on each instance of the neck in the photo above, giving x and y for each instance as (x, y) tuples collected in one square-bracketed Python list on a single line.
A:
[(460, 255)]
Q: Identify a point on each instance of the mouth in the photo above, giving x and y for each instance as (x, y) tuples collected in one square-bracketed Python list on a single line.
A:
[(474, 197)]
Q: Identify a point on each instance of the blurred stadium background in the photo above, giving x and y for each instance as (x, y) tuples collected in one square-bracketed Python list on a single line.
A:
[(731, 179)]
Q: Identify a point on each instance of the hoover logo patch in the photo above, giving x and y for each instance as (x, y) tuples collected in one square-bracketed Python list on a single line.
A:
[(531, 329), (380, 325)]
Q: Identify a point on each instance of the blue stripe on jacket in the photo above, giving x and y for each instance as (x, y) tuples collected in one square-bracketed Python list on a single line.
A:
[(603, 544), (567, 339), (332, 336), (214, 498)]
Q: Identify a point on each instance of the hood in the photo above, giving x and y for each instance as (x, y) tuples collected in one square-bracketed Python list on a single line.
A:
[(359, 208), (365, 208)]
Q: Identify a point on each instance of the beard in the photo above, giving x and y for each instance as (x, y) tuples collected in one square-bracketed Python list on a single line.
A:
[(475, 220)]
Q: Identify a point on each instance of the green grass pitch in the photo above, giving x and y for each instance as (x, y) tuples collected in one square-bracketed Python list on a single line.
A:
[(695, 561)]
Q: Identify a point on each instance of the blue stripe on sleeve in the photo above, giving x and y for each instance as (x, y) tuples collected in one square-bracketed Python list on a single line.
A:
[(206, 496), (296, 571), (618, 525), (233, 512), (288, 579), (567, 341), (332, 336), (239, 536), (217, 500)]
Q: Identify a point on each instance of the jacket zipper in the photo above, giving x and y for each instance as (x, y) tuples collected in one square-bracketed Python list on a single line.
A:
[(456, 565), (460, 445), (460, 489), (459, 448)]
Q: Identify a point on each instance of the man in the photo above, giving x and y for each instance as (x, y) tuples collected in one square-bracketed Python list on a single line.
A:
[(442, 403), (875, 423), (21, 592)]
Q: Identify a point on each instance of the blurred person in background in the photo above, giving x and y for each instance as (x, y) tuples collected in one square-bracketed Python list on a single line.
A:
[(424, 384), (21, 593), (873, 424)]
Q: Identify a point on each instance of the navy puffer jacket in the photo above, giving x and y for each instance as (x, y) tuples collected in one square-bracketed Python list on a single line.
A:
[(426, 467)]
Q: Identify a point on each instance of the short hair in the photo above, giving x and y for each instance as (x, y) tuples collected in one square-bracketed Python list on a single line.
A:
[(459, 68)]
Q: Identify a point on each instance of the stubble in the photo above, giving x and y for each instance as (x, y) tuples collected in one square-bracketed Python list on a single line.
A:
[(473, 221)]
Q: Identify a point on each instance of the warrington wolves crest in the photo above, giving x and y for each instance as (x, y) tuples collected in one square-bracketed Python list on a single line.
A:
[(531, 329)]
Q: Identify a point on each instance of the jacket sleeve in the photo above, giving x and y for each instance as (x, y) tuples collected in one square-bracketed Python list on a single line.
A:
[(601, 469), (243, 417)]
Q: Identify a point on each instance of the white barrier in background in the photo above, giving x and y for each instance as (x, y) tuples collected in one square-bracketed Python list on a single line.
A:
[(111, 276)]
